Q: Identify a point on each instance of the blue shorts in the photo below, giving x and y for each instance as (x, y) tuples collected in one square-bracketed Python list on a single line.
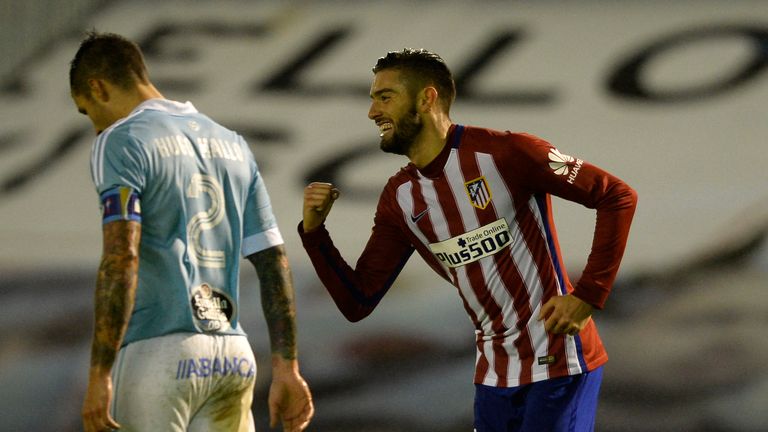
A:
[(566, 404)]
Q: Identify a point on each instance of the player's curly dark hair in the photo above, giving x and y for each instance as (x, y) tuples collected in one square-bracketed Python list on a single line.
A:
[(106, 56), (421, 68)]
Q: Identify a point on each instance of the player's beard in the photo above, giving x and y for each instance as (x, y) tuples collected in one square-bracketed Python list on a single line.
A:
[(405, 132)]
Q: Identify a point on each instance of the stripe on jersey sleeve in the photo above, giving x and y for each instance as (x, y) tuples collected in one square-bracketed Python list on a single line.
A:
[(542, 204), (261, 241), (97, 158)]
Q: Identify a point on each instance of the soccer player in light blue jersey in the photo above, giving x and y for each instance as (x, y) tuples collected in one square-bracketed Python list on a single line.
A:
[(182, 199)]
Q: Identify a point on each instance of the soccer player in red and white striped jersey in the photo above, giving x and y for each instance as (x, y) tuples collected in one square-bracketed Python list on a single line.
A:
[(475, 204)]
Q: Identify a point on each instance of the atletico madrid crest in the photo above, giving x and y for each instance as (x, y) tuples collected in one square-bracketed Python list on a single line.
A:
[(479, 193)]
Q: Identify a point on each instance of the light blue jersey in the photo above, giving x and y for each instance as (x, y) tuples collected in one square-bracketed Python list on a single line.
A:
[(195, 188)]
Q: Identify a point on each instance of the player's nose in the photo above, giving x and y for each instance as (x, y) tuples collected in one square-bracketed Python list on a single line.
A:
[(373, 111)]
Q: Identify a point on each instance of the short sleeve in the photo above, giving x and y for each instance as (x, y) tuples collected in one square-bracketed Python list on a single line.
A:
[(260, 230), (118, 160)]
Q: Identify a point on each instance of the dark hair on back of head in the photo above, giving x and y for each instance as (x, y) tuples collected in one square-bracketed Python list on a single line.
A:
[(106, 56), (421, 68)]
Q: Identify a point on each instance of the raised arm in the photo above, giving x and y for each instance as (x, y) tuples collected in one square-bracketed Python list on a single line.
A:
[(290, 400), (318, 201), (114, 300), (356, 291)]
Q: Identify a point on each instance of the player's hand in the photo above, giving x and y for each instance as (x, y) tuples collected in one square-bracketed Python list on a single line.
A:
[(566, 314), (290, 401), (318, 200), (98, 398)]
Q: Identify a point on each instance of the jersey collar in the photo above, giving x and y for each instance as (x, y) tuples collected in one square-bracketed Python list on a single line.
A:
[(435, 168), (167, 105)]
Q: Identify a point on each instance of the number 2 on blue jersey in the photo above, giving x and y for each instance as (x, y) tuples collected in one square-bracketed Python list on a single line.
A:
[(205, 220)]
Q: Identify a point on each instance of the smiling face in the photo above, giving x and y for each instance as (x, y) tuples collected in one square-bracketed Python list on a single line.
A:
[(393, 109)]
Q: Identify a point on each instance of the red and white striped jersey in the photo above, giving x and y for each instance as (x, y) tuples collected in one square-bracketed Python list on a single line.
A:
[(480, 216)]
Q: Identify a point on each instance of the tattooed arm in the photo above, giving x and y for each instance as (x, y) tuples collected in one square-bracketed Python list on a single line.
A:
[(277, 299), (115, 293), (290, 401)]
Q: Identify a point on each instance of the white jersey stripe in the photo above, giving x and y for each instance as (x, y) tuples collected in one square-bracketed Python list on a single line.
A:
[(574, 366), (504, 203), (520, 254), (540, 220), (455, 177), (97, 158), (440, 227), (436, 214), (97, 153), (405, 201), (491, 377)]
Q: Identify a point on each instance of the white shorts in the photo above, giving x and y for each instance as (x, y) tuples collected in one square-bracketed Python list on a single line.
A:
[(185, 382)]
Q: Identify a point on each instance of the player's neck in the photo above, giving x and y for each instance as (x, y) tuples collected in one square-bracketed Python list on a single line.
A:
[(430, 142), (147, 91), (126, 101)]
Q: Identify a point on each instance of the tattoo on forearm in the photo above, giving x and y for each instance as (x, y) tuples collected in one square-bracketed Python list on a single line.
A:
[(115, 290), (277, 299)]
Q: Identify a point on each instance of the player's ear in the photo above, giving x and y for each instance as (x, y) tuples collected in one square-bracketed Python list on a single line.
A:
[(428, 98), (99, 90)]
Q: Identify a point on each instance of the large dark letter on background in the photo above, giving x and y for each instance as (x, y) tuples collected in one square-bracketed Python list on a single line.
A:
[(626, 80), (61, 148)]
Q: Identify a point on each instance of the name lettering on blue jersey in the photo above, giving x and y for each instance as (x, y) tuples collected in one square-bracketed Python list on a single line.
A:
[(177, 145), (210, 148), (219, 149), (120, 203)]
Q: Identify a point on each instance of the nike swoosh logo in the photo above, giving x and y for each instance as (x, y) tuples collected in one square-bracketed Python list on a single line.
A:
[(418, 217)]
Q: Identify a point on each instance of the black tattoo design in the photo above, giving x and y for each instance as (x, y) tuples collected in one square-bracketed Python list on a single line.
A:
[(115, 290), (277, 299)]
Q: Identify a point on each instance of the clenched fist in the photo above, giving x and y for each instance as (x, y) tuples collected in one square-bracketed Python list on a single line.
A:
[(318, 200)]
